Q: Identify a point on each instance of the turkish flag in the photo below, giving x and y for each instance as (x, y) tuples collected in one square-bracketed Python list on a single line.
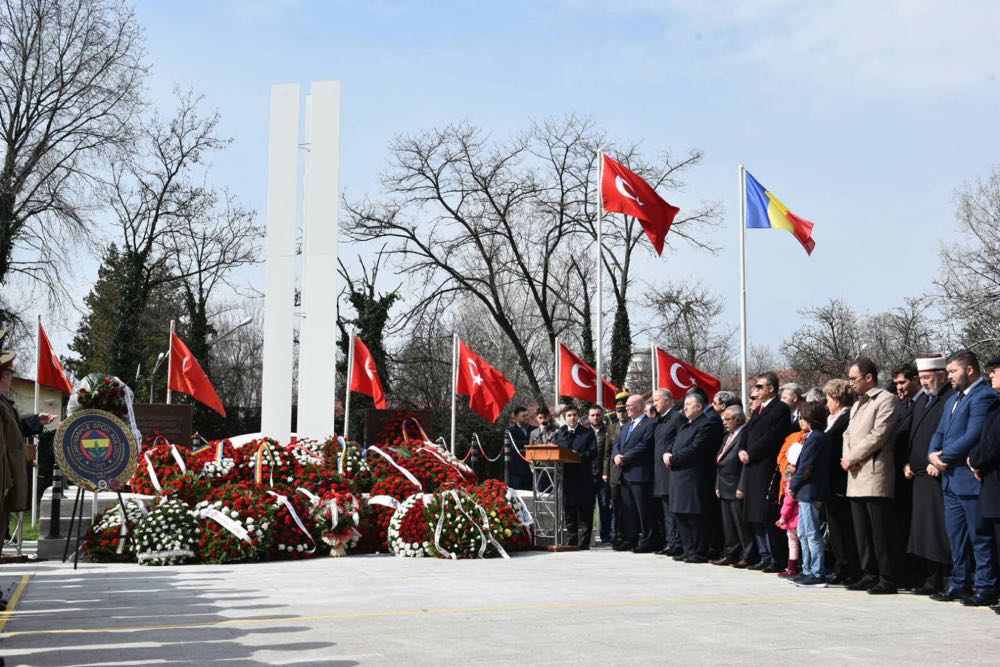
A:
[(364, 375), (677, 376), (577, 379), (624, 192), (50, 372), (187, 376), (488, 390)]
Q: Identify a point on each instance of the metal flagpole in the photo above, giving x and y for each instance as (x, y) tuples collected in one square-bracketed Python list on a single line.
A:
[(170, 357), (38, 408), (743, 288), (558, 370), (653, 369), (349, 381), (600, 283), (454, 386)]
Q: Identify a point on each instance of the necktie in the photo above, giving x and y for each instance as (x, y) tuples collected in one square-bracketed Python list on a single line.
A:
[(725, 447), (628, 430), (958, 400)]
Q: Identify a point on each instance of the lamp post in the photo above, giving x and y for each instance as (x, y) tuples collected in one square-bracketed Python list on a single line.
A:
[(231, 331), (152, 376)]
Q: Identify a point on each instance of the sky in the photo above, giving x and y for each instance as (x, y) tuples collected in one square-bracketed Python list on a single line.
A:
[(861, 117)]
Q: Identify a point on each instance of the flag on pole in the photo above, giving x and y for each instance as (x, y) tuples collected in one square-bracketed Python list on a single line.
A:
[(50, 371), (677, 376), (488, 390), (367, 380), (765, 211), (625, 192), (187, 376), (577, 378)]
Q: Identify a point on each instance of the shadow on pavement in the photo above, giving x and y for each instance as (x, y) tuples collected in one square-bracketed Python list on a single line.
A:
[(97, 616)]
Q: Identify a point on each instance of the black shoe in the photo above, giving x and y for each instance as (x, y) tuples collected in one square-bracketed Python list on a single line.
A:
[(679, 557), (623, 546), (724, 561), (862, 584), (773, 568), (695, 559), (882, 589), (643, 549), (926, 589), (996, 609), (951, 594), (663, 552), (676, 551), (760, 565), (982, 598)]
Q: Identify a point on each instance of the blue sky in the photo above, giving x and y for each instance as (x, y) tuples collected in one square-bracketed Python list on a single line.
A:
[(863, 120)]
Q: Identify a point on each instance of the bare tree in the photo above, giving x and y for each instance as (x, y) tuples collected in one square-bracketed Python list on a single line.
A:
[(825, 345), (901, 335), (70, 82), (502, 224), (152, 196), (969, 282), (687, 321)]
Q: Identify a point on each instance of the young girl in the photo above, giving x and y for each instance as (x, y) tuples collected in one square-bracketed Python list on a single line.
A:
[(789, 519), (811, 487)]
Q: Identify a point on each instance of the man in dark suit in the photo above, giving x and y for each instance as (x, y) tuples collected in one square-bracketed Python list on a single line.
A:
[(959, 431), (766, 431), (738, 544), (984, 460), (633, 452), (518, 470), (907, 385), (928, 537), (692, 476), (578, 478), (669, 422)]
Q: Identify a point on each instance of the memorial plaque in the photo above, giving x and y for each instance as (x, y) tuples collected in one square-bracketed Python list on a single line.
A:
[(173, 422)]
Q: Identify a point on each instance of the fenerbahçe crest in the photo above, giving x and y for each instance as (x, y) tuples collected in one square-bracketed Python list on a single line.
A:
[(96, 450)]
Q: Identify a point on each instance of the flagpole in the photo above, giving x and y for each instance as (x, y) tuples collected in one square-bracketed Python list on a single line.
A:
[(743, 288), (600, 282), (652, 368), (38, 408), (454, 386), (557, 377), (170, 357), (349, 380)]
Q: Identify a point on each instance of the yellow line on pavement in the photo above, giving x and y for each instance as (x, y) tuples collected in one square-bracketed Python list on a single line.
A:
[(13, 601), (256, 620)]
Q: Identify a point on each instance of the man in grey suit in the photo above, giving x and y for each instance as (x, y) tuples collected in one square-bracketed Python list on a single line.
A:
[(738, 547)]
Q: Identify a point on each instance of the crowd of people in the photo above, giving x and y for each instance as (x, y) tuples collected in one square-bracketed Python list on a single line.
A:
[(878, 488)]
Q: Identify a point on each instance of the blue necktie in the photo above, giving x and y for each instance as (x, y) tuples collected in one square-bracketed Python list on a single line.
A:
[(628, 431)]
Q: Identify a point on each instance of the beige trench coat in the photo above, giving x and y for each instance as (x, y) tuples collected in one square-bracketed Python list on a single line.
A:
[(868, 442)]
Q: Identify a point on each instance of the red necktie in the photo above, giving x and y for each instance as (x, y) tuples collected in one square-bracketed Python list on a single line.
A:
[(725, 447)]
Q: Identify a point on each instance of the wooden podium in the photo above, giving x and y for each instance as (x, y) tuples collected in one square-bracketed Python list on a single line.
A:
[(547, 484)]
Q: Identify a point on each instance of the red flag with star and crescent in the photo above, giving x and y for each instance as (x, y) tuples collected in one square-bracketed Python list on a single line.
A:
[(49, 372), (364, 375), (623, 191), (188, 377), (677, 376), (577, 379), (488, 390)]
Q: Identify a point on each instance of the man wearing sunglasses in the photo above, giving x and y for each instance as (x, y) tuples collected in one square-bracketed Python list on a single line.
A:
[(769, 424)]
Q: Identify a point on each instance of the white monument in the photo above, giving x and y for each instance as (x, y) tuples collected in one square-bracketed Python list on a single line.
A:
[(320, 205)]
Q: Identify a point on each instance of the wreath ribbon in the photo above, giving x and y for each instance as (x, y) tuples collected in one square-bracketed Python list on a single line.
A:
[(283, 500), (406, 473)]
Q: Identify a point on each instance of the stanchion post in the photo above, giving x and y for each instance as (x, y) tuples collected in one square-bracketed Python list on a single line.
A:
[(506, 458), (57, 490)]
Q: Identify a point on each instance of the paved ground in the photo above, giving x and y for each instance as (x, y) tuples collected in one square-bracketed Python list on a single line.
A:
[(595, 607)]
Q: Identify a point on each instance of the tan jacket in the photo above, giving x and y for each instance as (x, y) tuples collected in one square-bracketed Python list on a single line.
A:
[(868, 442)]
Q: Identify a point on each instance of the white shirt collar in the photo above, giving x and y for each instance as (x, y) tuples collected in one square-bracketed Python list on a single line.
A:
[(970, 387)]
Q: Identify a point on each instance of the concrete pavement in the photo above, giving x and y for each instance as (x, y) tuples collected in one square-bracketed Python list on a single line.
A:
[(595, 607)]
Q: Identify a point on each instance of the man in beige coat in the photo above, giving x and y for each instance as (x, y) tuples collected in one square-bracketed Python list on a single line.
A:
[(869, 462)]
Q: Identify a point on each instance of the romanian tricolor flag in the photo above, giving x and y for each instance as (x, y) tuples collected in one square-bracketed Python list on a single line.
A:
[(765, 211)]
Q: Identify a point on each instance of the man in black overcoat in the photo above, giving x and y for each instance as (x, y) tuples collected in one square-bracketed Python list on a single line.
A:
[(769, 424), (928, 539), (692, 477), (578, 479), (670, 420)]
